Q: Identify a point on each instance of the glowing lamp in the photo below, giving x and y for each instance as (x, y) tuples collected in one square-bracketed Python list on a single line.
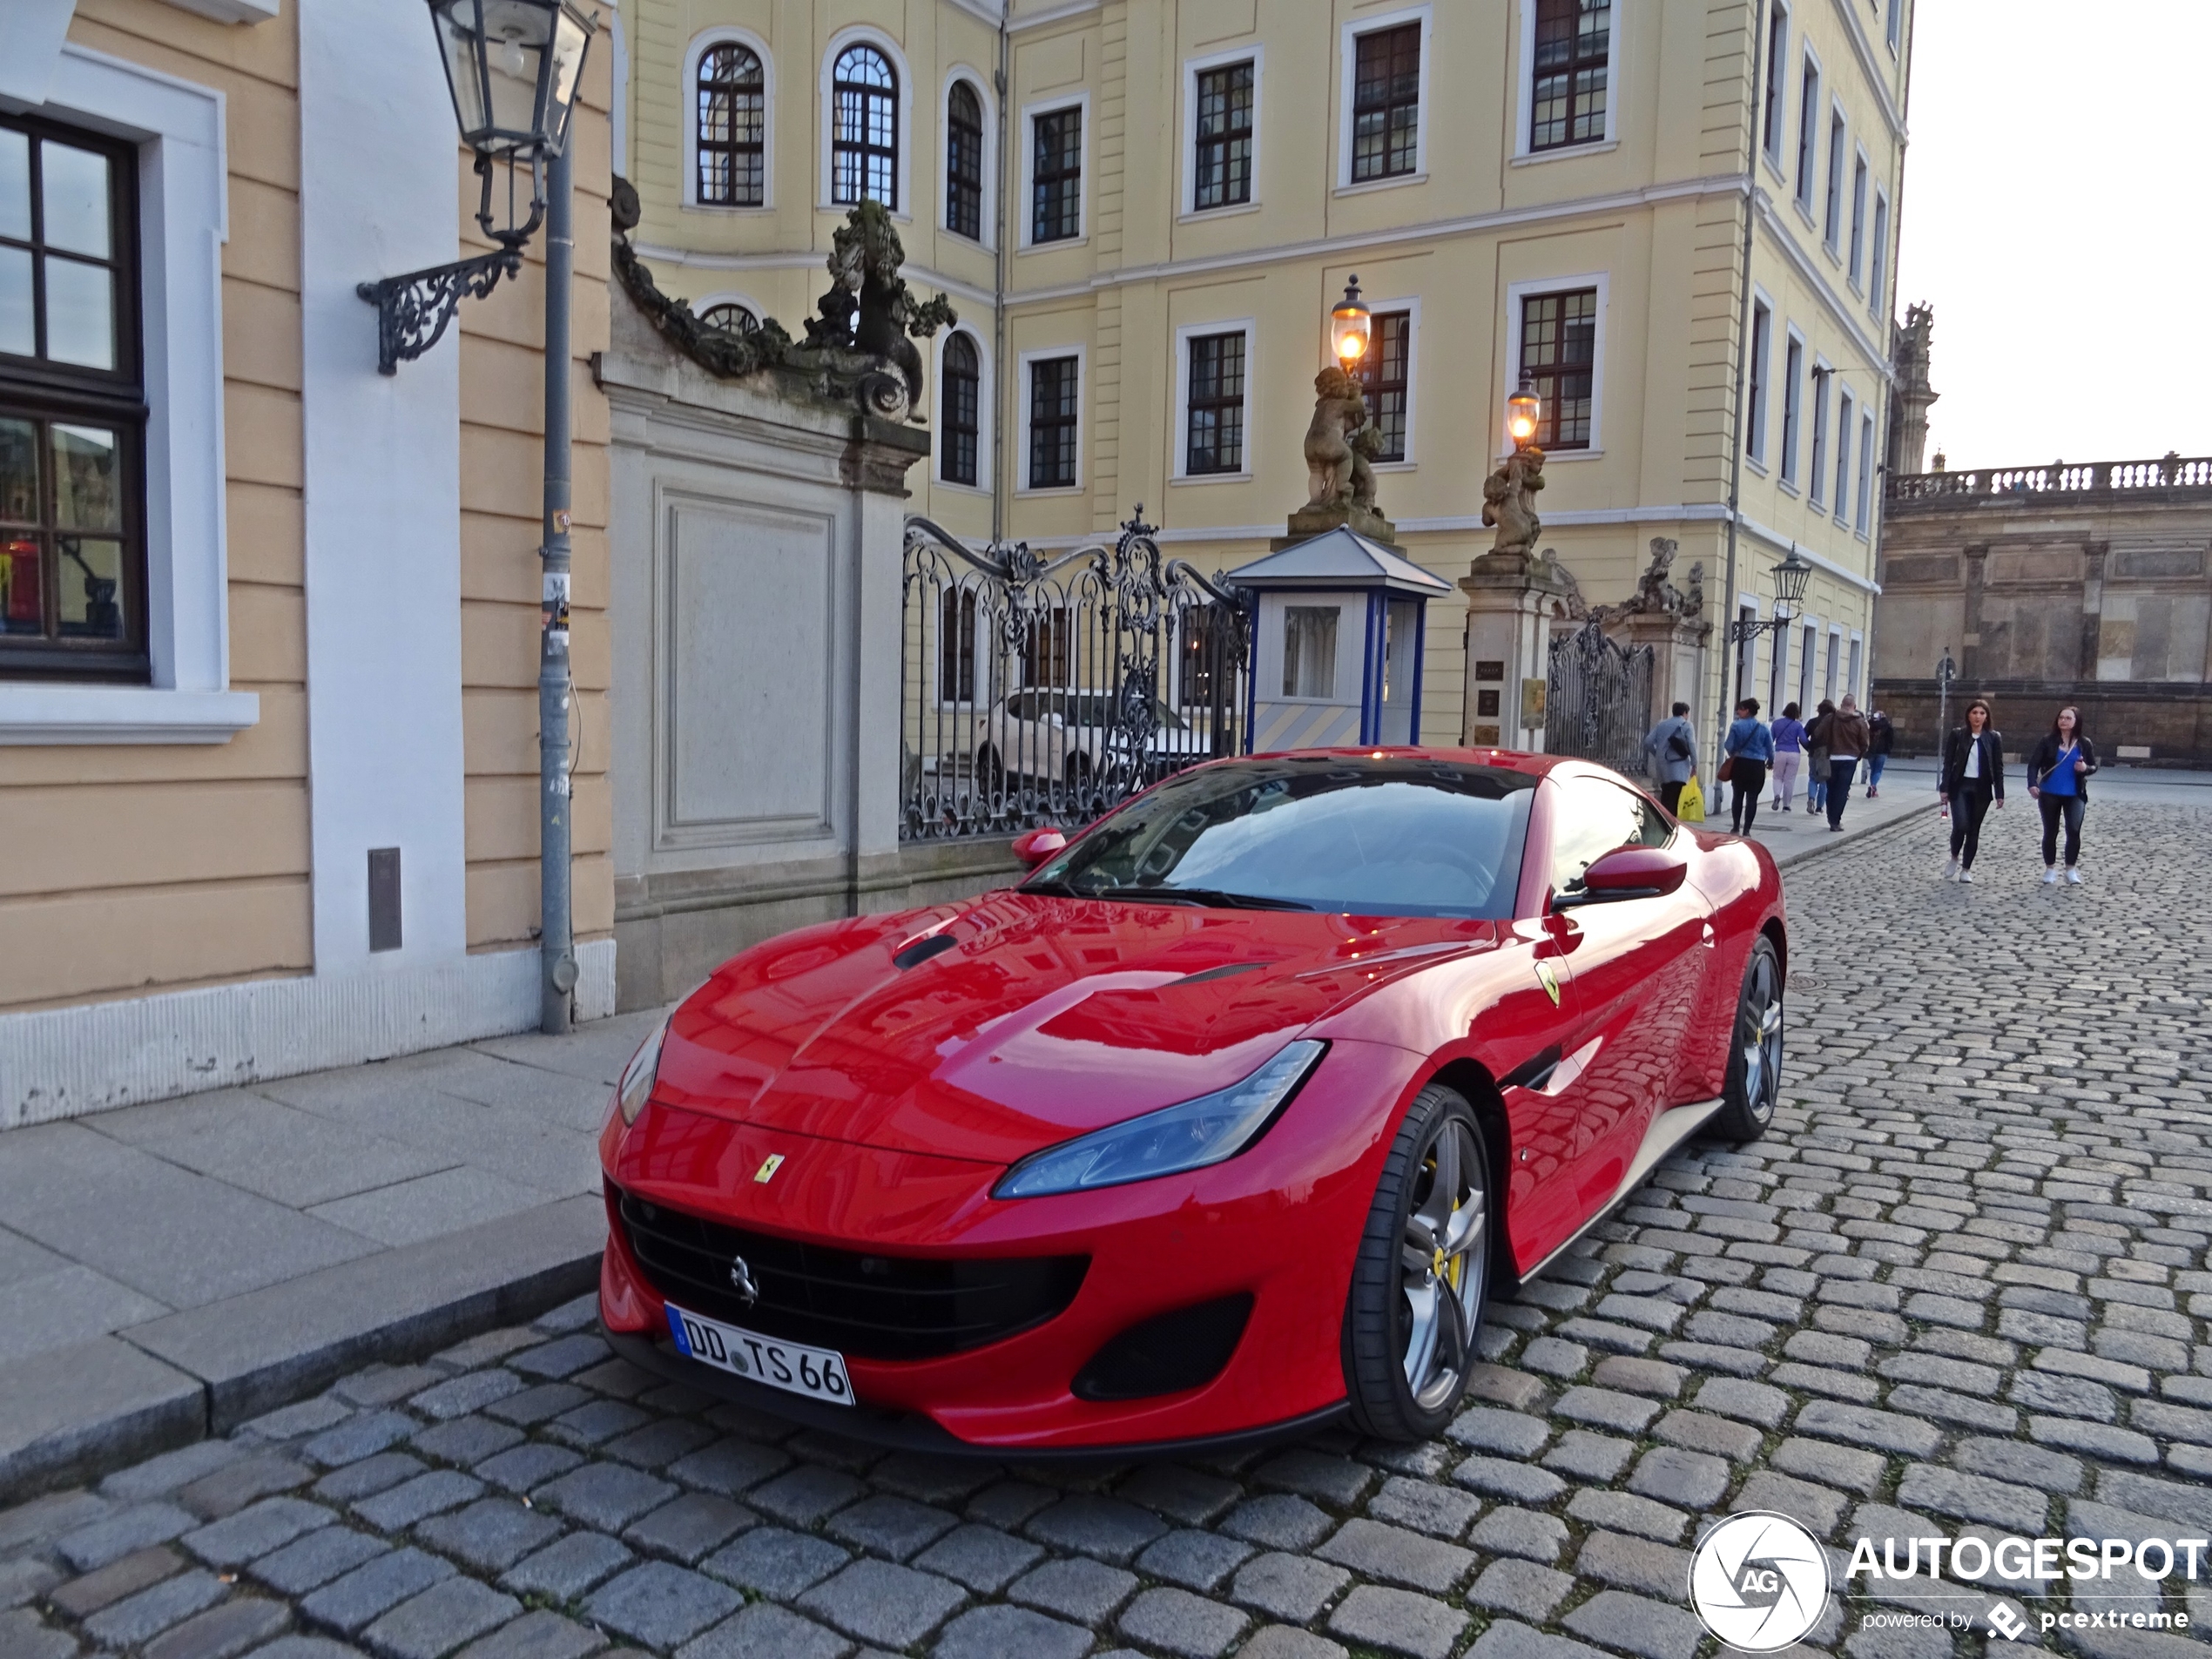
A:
[(1523, 409), (1351, 326)]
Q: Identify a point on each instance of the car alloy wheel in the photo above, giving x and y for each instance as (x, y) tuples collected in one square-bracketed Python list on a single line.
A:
[(1754, 1085), (1422, 1276)]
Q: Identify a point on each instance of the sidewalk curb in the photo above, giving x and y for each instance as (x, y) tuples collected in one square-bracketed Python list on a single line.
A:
[(1796, 857), (74, 1413)]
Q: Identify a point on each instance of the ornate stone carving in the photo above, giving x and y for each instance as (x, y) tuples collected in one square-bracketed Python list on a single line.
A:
[(1656, 595), (859, 347), (1509, 501), (1341, 444)]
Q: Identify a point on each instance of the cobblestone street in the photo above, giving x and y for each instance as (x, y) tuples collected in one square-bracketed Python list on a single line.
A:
[(1961, 1287)]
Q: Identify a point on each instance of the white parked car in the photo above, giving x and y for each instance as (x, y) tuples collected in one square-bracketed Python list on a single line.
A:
[(1070, 736)]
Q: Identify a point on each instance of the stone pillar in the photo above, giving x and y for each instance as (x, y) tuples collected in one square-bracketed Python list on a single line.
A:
[(2093, 604), (1677, 643), (1512, 598), (1970, 638)]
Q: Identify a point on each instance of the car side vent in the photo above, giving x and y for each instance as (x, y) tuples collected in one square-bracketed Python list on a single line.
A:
[(1167, 1354), (922, 950), (1223, 972)]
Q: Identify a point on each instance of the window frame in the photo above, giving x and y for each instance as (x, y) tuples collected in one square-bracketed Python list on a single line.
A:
[(1810, 82), (1035, 121), (47, 393), (1793, 354), (694, 57), (708, 302), (1865, 503), (1831, 222), (1821, 378), (986, 158), (1760, 376), (1862, 183), (902, 123), (1348, 37), (1809, 664), (1846, 429), (1775, 113), (958, 616), (1025, 240), (1186, 334), (1193, 68), (1411, 310), (1517, 295), (1878, 276), (1024, 396), (1525, 146), (981, 431), (1894, 26)]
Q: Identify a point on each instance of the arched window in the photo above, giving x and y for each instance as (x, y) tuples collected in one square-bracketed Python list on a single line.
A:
[(864, 142), (960, 414), (964, 162), (731, 317), (733, 97)]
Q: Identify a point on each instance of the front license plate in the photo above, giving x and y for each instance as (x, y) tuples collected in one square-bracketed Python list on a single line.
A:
[(818, 1373)]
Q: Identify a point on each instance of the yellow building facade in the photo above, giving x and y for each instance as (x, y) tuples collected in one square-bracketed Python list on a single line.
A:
[(1144, 209)]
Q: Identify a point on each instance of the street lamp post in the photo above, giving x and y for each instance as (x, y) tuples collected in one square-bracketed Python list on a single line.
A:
[(1524, 412), (1789, 578), (1946, 671), (1351, 326), (514, 67)]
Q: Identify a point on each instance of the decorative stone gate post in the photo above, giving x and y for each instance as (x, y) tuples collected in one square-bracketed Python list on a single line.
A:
[(1513, 599)]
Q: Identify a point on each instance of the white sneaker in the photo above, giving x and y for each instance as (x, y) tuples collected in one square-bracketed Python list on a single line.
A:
[(1965, 875), (2074, 878), (2050, 877), (1951, 871)]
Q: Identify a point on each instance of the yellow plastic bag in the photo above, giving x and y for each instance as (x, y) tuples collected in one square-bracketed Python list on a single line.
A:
[(1691, 808)]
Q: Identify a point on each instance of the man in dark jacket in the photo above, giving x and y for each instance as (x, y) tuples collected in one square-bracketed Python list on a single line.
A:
[(1848, 741), (1884, 738)]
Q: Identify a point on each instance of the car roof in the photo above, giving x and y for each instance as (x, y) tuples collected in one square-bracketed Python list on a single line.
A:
[(1504, 759)]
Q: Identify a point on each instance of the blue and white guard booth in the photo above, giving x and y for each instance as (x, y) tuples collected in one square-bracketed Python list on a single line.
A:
[(1337, 644)]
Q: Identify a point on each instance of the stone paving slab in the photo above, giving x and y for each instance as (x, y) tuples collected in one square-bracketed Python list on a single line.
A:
[(1961, 1289)]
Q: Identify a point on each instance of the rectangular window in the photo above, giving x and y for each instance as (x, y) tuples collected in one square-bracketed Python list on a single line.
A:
[(1778, 673), (1559, 352), (1222, 169), (1385, 374), (1049, 655), (1845, 409), (1858, 263), (1851, 684), (1310, 651), (1816, 480), (1835, 666), (1754, 404), (1778, 97), (1386, 103), (1876, 301), (1896, 23), (1805, 670), (1572, 51), (1833, 232), (1793, 375), (956, 646), (1747, 651), (1211, 647), (1865, 472), (1054, 389), (1056, 176), (72, 471), (1808, 131), (964, 163), (1215, 441)]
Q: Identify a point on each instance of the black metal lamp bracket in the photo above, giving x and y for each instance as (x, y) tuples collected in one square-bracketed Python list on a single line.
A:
[(413, 311)]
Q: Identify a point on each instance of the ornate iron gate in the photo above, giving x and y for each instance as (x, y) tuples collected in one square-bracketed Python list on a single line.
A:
[(1598, 702), (1038, 692)]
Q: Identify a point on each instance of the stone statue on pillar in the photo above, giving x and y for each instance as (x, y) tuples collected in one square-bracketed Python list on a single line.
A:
[(1340, 446), (1509, 501)]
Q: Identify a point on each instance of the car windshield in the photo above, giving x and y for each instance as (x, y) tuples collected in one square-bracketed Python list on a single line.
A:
[(1096, 709), (1395, 837)]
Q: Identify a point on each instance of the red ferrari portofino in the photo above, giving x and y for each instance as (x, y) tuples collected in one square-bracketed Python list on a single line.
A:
[(1225, 1122)]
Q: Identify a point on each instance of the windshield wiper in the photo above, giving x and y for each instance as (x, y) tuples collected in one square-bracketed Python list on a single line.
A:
[(1056, 889), (1213, 897)]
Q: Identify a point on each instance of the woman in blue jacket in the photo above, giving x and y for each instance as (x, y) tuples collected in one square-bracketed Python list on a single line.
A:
[(1750, 750)]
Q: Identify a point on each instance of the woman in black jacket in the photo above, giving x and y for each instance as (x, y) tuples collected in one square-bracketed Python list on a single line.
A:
[(2058, 780), (1973, 775)]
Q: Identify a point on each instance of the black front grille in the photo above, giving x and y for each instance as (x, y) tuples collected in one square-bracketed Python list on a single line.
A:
[(870, 1307)]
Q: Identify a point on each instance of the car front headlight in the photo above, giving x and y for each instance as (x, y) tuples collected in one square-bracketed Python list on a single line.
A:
[(638, 1075), (1187, 1137)]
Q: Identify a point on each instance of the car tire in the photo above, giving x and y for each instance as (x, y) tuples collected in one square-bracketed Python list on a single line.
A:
[(990, 773), (1754, 1082), (1406, 1371)]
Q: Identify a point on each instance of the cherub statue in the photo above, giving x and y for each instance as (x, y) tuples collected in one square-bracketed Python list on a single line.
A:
[(1654, 592), (1333, 466), (1367, 449), (1509, 500)]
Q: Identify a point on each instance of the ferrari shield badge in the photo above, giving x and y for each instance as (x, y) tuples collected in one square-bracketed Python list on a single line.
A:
[(1547, 976), (774, 1161)]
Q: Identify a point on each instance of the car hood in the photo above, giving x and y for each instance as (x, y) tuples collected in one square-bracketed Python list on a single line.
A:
[(1039, 1019)]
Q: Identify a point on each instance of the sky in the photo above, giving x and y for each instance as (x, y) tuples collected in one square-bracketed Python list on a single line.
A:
[(2055, 219)]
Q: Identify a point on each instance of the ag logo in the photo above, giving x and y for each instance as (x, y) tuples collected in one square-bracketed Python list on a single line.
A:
[(1759, 1581)]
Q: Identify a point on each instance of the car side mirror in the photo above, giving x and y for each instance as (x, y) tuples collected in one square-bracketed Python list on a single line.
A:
[(1034, 846), (1629, 873)]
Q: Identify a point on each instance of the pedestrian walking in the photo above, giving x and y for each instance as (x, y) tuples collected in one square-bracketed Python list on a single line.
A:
[(1847, 740), (1972, 776), (1746, 753), (1882, 737), (1670, 750), (2058, 782), (1817, 755), (1789, 755)]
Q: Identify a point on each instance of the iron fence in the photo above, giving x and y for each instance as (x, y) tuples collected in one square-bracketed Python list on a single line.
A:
[(1597, 704), (1038, 690)]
